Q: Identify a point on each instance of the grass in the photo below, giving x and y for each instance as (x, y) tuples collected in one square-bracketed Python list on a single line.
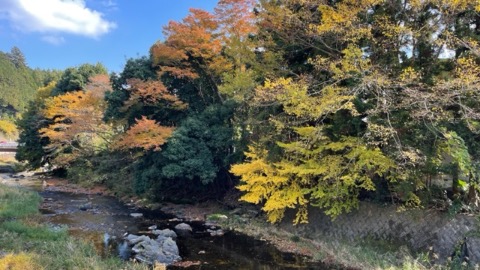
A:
[(26, 244), (17, 202)]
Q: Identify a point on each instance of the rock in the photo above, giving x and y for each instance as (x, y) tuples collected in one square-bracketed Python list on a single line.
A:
[(85, 207), (169, 246), (218, 232), (136, 215), (165, 233), (150, 251), (153, 227), (6, 169), (201, 252), (183, 227), (133, 239)]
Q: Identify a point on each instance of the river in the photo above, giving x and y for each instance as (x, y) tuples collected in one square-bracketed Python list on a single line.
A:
[(104, 220)]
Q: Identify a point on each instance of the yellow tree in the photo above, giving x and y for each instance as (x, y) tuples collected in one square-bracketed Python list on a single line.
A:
[(314, 170), (363, 90), (75, 120), (8, 129)]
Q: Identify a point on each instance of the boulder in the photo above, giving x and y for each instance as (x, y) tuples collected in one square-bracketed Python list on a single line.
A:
[(163, 250), (165, 233), (183, 227), (169, 246), (134, 239)]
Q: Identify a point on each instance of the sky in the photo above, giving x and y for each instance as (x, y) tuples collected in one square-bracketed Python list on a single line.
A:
[(56, 34)]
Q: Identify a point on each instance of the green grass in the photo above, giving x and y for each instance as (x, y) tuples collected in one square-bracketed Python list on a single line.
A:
[(17, 202), (41, 247)]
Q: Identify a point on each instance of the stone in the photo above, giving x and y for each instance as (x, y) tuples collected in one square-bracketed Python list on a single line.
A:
[(218, 232), (165, 233), (136, 215), (150, 251), (85, 207), (153, 227), (134, 239), (169, 246), (183, 227)]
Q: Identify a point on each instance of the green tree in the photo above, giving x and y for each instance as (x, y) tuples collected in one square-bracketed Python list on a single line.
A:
[(76, 78), (30, 142), (17, 57), (195, 160), (18, 83)]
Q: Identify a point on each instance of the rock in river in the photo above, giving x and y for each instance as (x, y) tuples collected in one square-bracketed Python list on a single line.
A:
[(165, 233), (163, 250), (183, 227), (136, 215)]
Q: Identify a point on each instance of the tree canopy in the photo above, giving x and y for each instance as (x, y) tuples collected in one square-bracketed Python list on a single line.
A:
[(298, 102)]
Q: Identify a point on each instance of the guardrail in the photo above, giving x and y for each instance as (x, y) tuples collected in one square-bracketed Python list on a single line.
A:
[(8, 147)]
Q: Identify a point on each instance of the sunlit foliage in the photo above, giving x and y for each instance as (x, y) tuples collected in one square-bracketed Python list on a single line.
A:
[(144, 134)]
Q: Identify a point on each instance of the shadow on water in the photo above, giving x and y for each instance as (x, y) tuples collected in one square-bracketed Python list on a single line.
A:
[(104, 220)]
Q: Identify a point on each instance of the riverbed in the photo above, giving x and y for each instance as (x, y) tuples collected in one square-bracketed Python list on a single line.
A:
[(104, 221)]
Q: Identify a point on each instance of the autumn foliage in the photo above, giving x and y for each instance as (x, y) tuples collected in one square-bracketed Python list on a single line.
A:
[(152, 93), (298, 103), (144, 134)]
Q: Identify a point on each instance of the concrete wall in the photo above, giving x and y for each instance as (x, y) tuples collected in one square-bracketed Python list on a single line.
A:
[(418, 229)]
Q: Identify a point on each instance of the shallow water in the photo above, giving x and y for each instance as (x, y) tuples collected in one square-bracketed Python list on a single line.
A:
[(104, 220)]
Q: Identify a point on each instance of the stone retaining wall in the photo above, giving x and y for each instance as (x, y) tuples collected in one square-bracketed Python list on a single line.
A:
[(418, 229)]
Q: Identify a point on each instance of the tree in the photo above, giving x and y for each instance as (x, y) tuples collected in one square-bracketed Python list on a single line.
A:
[(192, 52), (17, 58), (76, 78), (368, 87), (75, 122), (140, 68), (30, 143), (144, 134), (193, 164), (18, 84), (8, 129)]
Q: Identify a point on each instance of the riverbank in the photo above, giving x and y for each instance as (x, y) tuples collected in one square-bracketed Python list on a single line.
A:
[(249, 220), (245, 219), (27, 244)]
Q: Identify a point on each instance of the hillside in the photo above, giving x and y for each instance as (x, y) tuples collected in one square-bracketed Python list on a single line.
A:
[(18, 82)]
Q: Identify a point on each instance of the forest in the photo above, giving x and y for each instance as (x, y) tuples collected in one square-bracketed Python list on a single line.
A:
[(293, 104), (19, 84)]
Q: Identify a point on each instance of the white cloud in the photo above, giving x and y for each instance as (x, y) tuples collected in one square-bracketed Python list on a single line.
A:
[(55, 40), (55, 16)]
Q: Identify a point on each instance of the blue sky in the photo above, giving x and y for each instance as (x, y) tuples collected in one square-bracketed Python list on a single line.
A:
[(56, 34)]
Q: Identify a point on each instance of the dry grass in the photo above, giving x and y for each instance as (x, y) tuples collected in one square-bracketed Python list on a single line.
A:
[(20, 261)]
